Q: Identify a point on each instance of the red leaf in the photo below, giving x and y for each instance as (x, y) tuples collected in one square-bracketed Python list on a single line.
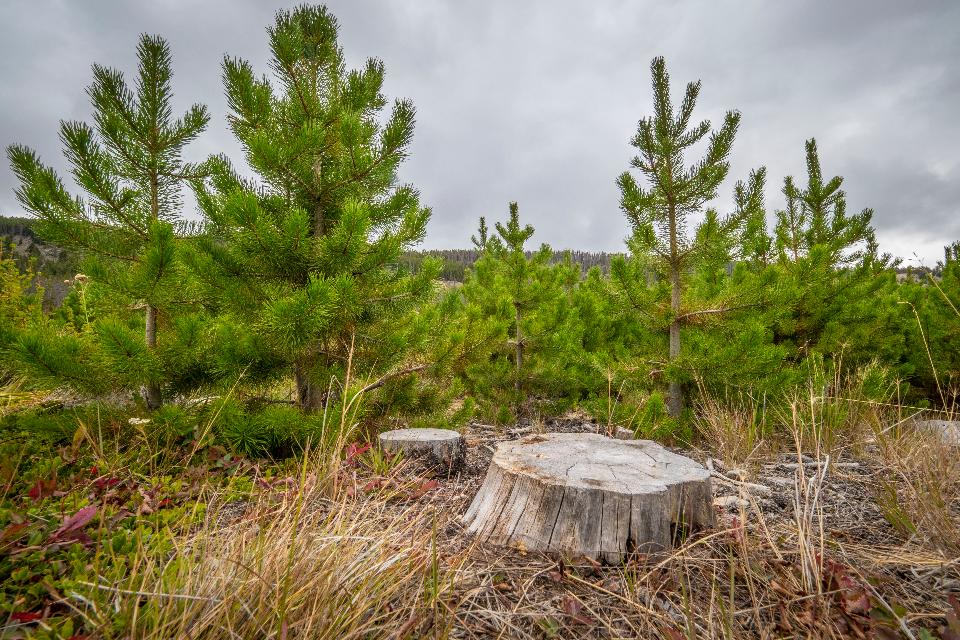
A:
[(105, 482), (354, 451), (13, 532), (42, 488), (671, 631), (73, 525), (374, 484), (425, 486), (952, 630), (853, 596), (572, 607), (25, 616)]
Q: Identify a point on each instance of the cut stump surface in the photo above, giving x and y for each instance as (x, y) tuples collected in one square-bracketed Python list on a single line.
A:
[(587, 494), (442, 448)]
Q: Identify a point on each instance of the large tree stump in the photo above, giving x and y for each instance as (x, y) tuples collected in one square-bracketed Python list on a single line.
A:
[(586, 494), (948, 431), (441, 448)]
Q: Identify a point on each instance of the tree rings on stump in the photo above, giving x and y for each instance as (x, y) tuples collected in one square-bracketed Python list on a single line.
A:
[(590, 495), (440, 448)]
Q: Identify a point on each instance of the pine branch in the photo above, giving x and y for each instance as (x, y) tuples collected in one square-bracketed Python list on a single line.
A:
[(391, 376)]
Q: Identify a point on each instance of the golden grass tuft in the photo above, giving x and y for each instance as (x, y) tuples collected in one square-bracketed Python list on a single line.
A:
[(296, 564)]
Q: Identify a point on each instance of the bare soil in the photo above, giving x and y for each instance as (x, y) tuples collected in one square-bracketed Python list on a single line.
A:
[(772, 567)]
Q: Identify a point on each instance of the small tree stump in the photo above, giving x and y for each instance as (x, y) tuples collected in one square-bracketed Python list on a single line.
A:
[(435, 447), (586, 494)]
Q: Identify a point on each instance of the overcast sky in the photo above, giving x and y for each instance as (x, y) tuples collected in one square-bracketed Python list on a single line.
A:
[(536, 101)]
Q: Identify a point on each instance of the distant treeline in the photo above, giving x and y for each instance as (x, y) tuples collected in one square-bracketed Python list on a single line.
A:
[(56, 265), (457, 261)]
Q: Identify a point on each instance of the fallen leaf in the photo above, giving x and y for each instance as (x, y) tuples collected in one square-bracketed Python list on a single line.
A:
[(25, 616), (671, 631), (573, 609), (425, 487), (72, 527), (42, 488), (374, 484)]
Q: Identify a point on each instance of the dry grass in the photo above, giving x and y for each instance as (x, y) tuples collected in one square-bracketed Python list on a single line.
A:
[(920, 495), (15, 397), (734, 429), (864, 548), (296, 564)]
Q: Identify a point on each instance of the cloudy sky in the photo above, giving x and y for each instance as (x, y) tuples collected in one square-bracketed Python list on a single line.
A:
[(536, 101)]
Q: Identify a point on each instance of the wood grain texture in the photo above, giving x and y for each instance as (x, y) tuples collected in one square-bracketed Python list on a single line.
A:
[(587, 494), (441, 448)]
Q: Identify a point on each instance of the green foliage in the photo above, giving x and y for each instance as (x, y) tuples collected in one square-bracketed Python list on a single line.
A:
[(932, 330), (306, 263), (143, 491), (307, 273), (664, 254), (521, 306), (19, 304), (128, 163), (840, 293)]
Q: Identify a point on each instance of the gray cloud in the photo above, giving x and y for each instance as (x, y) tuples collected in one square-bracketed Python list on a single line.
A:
[(536, 101)]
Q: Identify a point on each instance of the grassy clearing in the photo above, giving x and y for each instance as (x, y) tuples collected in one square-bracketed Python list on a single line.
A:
[(296, 564), (856, 537)]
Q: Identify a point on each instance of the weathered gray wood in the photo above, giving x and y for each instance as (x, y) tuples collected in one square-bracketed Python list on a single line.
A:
[(587, 494), (948, 431), (442, 448)]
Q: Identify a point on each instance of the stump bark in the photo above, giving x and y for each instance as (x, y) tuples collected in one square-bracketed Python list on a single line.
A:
[(442, 448), (587, 494), (948, 431)]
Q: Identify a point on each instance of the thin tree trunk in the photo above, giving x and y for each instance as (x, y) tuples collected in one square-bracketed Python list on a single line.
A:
[(516, 308), (309, 394), (674, 391), (319, 226), (154, 399)]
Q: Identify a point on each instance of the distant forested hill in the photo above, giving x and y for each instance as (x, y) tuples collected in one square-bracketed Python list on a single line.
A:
[(457, 261), (56, 264)]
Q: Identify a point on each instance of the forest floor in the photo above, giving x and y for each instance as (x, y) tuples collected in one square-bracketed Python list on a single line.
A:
[(861, 543), (801, 549)]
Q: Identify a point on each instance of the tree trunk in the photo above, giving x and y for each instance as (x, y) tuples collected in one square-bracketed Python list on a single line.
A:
[(516, 308), (309, 394), (674, 391), (585, 494), (154, 399)]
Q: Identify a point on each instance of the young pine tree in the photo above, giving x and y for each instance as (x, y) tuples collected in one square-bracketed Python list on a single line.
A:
[(522, 304), (663, 254), (841, 294), (935, 345), (129, 165), (303, 262), (20, 302)]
